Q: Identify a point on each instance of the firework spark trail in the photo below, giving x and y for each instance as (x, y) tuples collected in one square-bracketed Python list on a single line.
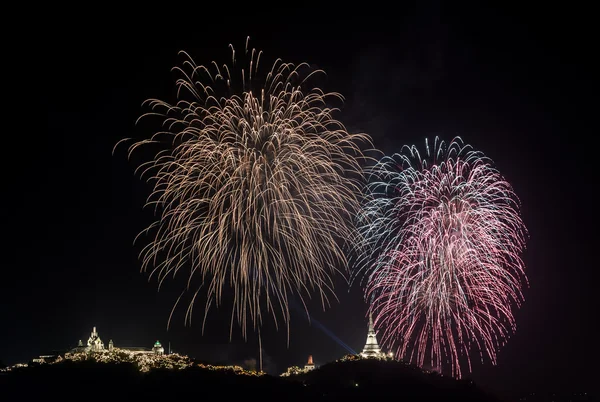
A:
[(442, 239), (255, 189)]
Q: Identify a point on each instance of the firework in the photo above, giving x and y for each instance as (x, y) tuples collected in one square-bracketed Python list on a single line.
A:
[(254, 189), (444, 238)]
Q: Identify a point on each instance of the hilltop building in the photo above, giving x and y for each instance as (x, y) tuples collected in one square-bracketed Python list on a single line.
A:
[(309, 365), (158, 349), (296, 370), (95, 344), (372, 348)]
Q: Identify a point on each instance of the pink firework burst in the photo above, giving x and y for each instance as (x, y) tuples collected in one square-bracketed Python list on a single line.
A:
[(445, 237)]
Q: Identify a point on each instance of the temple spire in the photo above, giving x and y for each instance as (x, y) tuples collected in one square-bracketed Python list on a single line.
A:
[(371, 348), (94, 342), (309, 365)]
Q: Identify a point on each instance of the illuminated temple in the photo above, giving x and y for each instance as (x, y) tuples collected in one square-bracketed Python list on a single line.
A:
[(371, 348), (95, 344), (309, 365)]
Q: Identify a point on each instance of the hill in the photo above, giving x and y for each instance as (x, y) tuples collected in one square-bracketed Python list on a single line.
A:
[(350, 380)]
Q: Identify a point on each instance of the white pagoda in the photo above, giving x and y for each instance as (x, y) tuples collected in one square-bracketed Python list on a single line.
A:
[(94, 342), (371, 348)]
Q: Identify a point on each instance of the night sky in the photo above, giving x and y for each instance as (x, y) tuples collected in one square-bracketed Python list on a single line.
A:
[(515, 84)]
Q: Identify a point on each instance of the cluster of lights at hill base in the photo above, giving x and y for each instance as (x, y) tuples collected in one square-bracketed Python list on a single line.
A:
[(442, 239), (257, 189)]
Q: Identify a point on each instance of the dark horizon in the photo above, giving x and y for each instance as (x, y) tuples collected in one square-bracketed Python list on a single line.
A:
[(512, 83)]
